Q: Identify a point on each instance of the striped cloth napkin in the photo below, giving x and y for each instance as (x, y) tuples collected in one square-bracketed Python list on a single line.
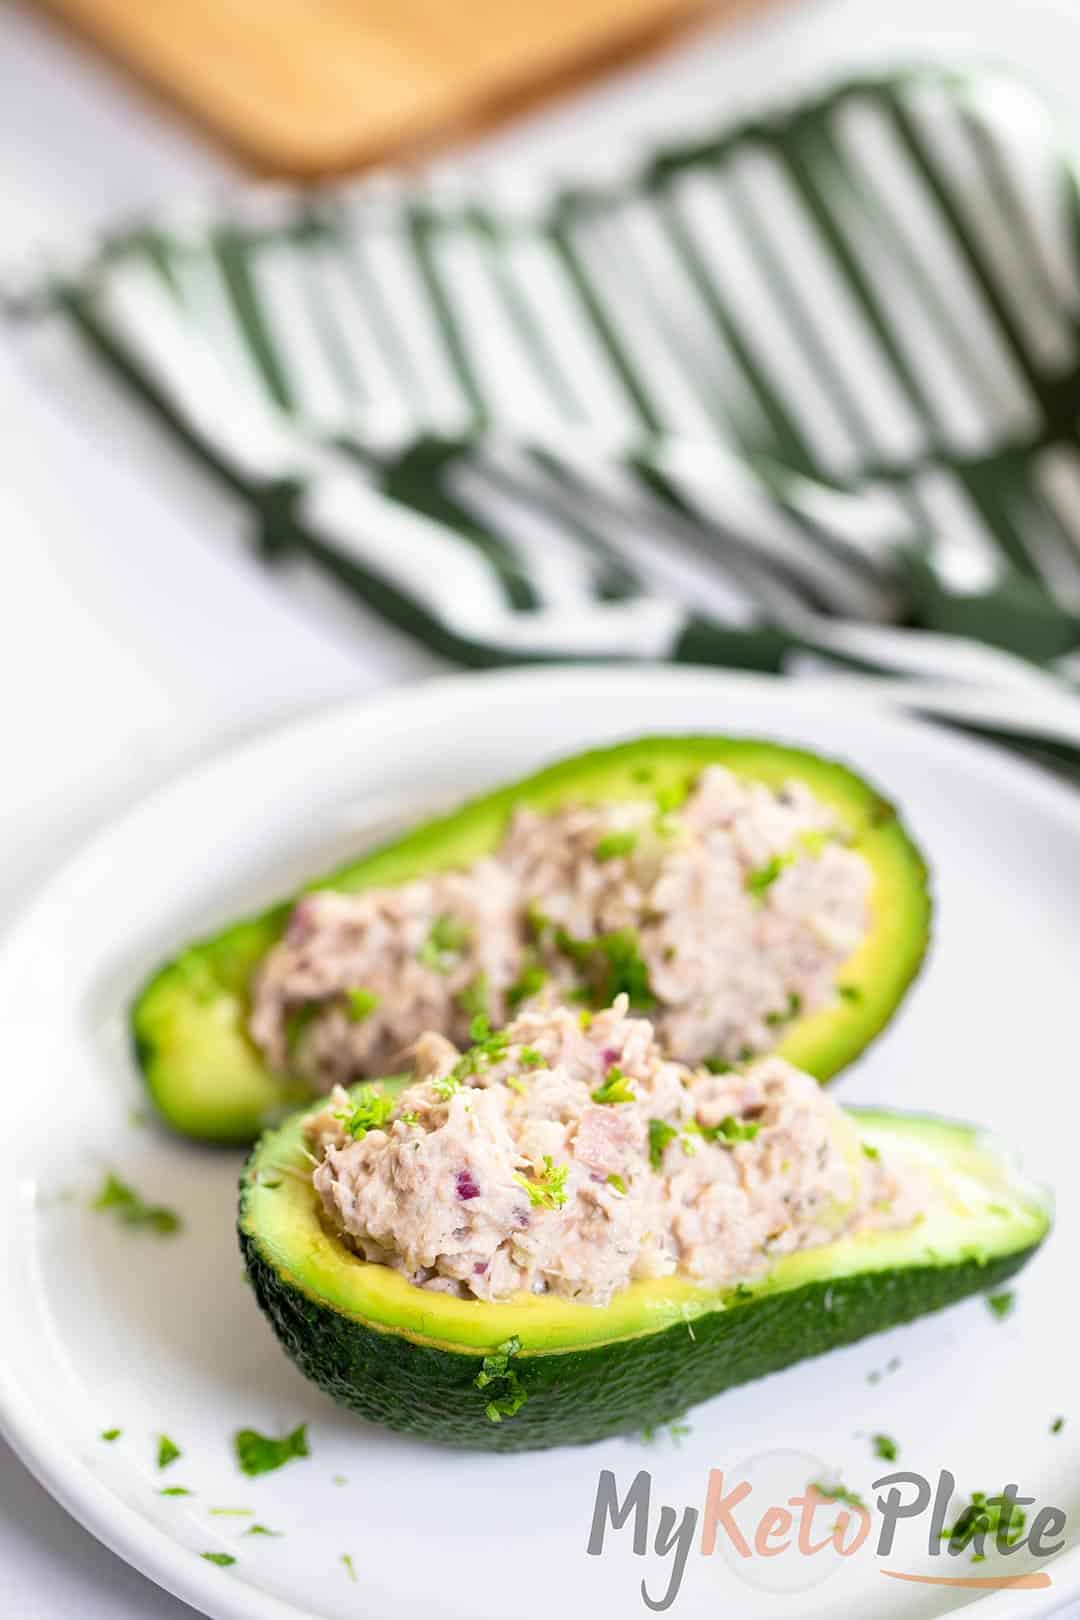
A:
[(803, 396)]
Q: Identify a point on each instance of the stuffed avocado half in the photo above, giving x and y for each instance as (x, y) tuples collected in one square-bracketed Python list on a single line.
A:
[(539, 1369), (680, 870)]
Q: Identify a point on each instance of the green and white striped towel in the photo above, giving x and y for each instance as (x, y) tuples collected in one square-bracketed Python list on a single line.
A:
[(804, 394)]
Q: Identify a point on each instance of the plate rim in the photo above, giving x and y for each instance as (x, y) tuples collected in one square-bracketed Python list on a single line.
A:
[(149, 1548)]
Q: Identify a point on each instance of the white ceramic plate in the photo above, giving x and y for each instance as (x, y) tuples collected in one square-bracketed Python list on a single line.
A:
[(103, 1327)]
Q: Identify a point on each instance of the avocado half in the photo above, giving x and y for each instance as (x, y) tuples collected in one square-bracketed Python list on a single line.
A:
[(189, 1022), (414, 1360)]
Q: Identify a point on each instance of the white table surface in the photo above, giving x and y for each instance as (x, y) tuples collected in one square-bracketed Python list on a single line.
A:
[(135, 633)]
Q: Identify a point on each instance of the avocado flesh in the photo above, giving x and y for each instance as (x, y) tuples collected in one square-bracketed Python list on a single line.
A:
[(189, 1022), (406, 1357)]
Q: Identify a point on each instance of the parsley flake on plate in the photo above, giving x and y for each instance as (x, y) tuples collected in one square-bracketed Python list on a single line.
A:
[(260, 1453), (125, 1205), (168, 1451), (837, 1493)]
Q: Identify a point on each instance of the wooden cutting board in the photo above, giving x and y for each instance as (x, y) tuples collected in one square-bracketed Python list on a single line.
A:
[(313, 87)]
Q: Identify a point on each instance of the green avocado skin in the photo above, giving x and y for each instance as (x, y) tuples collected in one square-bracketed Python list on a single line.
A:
[(578, 1396)]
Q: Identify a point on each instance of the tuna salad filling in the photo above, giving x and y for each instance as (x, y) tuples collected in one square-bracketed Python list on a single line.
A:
[(567, 1155), (724, 919)]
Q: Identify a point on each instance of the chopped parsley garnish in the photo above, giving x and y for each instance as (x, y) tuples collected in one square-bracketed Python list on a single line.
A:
[(131, 1210), (231, 1513), (869, 1150), (717, 1065), (615, 1089), (612, 965), (530, 1058), (849, 992), (476, 996), (528, 983), (837, 1493), (615, 844), (442, 949), (672, 796), (167, 1452), (261, 1530), (516, 1083), (762, 878), (1002, 1304), (222, 1560), (584, 1018), (411, 1118), (174, 1490), (110, 1434), (360, 1004), (731, 1130), (497, 1368), (677, 1431), (490, 1047), (660, 1134), (370, 1112), (547, 1190), (885, 1448), (350, 1569), (617, 1185), (791, 1010), (536, 921), (297, 1022), (1057, 1425), (261, 1454), (996, 1516)]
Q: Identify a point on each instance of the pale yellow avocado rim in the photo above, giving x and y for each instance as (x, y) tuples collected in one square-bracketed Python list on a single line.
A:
[(982, 1208)]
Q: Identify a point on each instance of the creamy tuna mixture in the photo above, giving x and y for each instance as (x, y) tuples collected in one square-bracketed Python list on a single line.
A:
[(723, 920), (566, 1155)]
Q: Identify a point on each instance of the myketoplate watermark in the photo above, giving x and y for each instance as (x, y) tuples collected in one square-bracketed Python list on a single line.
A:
[(783, 1525)]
